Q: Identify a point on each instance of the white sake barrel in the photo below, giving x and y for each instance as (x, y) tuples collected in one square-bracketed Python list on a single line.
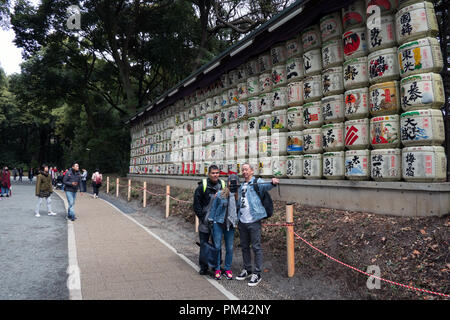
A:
[(312, 62), (420, 91), (295, 93), (294, 142), (381, 32), (295, 69), (209, 105), (384, 6), (264, 146), (253, 147), (384, 98), (242, 110), (356, 103), (404, 3), (265, 166), (197, 138), (355, 43), (199, 124), (333, 137), (279, 120), (279, 166), (385, 132), (219, 135), (230, 150), (253, 86), (224, 116), (278, 143), (252, 68), (333, 165), (264, 124), (311, 38), (312, 115), (242, 73), (357, 164), (224, 81), (383, 65), (357, 134), (242, 90), (233, 95), (192, 111), (280, 98), (198, 168), (354, 15), (312, 88), (224, 102), (333, 108), (416, 21), (420, 56), (278, 53), (332, 53), (332, 81), (233, 77), (266, 102), (242, 128), (265, 62), (385, 164), (294, 167), (239, 163), (217, 101), (242, 148), (294, 47), (294, 118), (223, 168), (424, 164), (279, 77), (422, 127), (231, 131), (312, 140), (253, 106), (233, 113), (331, 26), (355, 73), (312, 166), (265, 82), (232, 167), (253, 126)]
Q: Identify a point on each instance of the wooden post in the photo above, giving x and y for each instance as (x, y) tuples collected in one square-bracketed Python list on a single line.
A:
[(107, 185), (117, 187), (167, 201), (145, 194), (290, 240), (129, 190), (196, 224)]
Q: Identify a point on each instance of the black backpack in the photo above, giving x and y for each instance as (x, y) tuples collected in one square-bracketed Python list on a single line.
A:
[(265, 198)]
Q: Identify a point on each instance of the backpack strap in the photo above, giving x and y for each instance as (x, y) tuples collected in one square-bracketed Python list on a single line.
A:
[(205, 184)]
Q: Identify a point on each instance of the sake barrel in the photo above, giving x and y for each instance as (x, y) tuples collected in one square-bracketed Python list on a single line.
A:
[(242, 91), (384, 98), (253, 147), (416, 21), (311, 38), (385, 132), (208, 105), (230, 150), (294, 118), (252, 67), (253, 86), (278, 143), (224, 102), (224, 116), (332, 81), (312, 166), (294, 47), (253, 106), (278, 53), (231, 166), (265, 166), (357, 164), (331, 26), (265, 62), (280, 98), (233, 77), (333, 165), (217, 120), (420, 91), (333, 136), (294, 69), (383, 65), (357, 134), (385, 164), (192, 111), (404, 3), (266, 102), (279, 166), (312, 115), (312, 140), (231, 131), (224, 81), (242, 73), (242, 147), (356, 103), (253, 126), (355, 43), (233, 113), (242, 110), (239, 164), (312, 62), (254, 163), (294, 167), (223, 168), (332, 53), (333, 108), (295, 93), (279, 77), (265, 82), (294, 142), (217, 101), (384, 6), (422, 127), (424, 164), (279, 120), (264, 124), (233, 96), (312, 88), (420, 56), (354, 15), (355, 73), (242, 128), (381, 32)]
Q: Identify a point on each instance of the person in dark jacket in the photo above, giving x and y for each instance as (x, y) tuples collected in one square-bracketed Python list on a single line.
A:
[(44, 189), (203, 196), (72, 181)]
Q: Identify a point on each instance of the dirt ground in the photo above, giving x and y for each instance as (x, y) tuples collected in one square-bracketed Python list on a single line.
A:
[(410, 251)]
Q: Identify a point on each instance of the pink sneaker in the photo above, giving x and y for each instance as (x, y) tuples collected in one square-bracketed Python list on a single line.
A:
[(217, 275), (228, 274)]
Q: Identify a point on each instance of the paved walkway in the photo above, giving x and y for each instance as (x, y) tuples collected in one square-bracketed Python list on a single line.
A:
[(119, 259)]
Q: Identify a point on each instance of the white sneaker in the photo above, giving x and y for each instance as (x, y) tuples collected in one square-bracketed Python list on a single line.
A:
[(51, 213), (37, 215)]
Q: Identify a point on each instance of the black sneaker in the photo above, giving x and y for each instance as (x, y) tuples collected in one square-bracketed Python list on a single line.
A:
[(203, 272), (256, 278), (243, 275)]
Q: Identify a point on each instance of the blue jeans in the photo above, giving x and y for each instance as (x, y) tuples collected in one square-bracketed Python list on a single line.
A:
[(5, 191), (71, 200), (218, 232)]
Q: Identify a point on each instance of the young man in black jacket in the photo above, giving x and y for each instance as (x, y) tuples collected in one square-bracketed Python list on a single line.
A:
[(203, 196)]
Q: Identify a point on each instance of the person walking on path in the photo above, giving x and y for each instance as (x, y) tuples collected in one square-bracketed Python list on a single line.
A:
[(71, 181), (5, 182), (84, 174), (20, 174), (14, 171), (96, 182), (224, 219), (251, 212), (30, 175), (44, 189), (203, 196)]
